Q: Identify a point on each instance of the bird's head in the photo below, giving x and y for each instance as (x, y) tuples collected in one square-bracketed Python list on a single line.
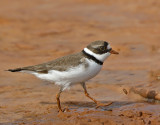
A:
[(100, 49)]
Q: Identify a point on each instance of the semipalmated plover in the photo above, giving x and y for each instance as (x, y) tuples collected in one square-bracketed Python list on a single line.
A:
[(72, 69)]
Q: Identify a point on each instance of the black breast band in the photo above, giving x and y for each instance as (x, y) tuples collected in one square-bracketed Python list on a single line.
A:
[(92, 58)]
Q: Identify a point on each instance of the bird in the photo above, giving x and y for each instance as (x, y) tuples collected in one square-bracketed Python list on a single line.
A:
[(73, 69)]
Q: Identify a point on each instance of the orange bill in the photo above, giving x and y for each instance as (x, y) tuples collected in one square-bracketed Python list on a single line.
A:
[(113, 52)]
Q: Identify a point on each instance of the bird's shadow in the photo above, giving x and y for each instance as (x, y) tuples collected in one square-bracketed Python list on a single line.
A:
[(84, 104)]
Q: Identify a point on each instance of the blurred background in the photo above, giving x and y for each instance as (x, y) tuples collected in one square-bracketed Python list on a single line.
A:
[(37, 31)]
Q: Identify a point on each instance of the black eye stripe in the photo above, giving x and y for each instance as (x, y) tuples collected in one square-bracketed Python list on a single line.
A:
[(108, 50)]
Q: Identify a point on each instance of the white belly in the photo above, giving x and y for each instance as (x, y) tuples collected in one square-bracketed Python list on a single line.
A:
[(74, 75)]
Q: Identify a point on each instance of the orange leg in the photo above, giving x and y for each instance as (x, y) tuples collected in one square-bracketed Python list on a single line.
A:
[(97, 102), (58, 101)]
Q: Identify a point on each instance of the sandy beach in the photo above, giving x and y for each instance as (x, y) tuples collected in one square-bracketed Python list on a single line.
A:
[(34, 32)]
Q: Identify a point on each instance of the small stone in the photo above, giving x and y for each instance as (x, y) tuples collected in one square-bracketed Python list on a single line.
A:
[(139, 114), (125, 91)]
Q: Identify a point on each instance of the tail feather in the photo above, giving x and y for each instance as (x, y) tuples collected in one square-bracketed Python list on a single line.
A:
[(14, 70)]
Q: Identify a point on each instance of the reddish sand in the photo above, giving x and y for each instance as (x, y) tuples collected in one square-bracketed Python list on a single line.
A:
[(37, 31)]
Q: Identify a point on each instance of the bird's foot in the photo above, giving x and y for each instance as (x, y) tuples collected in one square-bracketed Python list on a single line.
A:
[(64, 110), (99, 104), (64, 113)]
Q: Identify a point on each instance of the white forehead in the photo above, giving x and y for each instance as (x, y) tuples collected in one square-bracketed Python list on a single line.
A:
[(108, 47)]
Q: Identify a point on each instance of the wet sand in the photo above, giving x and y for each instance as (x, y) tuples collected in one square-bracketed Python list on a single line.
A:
[(39, 31)]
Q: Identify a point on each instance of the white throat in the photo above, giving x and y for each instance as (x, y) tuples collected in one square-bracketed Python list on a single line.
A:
[(100, 57)]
